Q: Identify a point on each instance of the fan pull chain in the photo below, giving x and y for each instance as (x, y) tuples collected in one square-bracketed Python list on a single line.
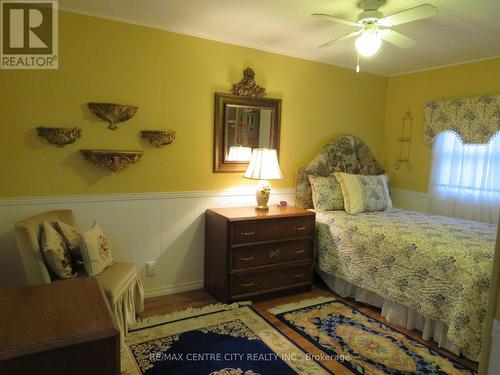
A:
[(357, 63)]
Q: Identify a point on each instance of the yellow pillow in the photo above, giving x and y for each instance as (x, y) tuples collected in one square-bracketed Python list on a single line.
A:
[(364, 193)]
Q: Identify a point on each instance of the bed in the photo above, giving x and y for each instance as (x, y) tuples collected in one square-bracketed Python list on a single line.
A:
[(425, 272)]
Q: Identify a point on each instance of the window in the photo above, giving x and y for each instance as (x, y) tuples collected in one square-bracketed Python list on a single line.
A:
[(465, 179)]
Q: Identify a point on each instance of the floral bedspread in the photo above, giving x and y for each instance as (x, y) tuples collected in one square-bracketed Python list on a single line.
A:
[(436, 265)]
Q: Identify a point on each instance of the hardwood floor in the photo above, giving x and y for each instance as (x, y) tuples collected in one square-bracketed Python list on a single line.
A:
[(200, 298)]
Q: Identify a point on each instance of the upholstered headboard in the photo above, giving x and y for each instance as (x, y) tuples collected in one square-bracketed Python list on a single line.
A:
[(342, 154)]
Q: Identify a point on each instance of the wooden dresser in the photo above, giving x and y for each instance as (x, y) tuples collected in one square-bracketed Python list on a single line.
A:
[(61, 328), (250, 252)]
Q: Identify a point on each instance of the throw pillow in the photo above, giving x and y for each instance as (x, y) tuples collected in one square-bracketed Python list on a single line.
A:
[(95, 251), (55, 252), (72, 237), (364, 193), (326, 193)]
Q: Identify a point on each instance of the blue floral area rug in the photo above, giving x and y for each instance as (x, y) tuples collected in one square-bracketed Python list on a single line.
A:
[(226, 340), (370, 346)]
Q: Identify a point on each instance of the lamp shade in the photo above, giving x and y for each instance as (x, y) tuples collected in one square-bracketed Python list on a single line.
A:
[(263, 165), (239, 153)]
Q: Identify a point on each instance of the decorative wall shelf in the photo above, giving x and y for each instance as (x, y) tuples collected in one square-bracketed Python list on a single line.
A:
[(405, 142), (159, 138), (113, 113), (114, 160), (59, 136)]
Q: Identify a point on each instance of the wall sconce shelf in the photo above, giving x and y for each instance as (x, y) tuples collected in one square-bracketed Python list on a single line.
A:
[(405, 142), (114, 160), (159, 138), (59, 136), (113, 113)]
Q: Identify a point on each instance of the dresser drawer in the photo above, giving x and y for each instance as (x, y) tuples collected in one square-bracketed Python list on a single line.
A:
[(264, 230), (251, 256), (263, 281)]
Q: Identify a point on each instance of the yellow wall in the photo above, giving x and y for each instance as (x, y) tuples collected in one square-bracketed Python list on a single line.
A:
[(172, 78), (411, 92)]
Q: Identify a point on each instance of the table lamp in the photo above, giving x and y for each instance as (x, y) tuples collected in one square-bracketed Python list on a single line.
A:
[(263, 166)]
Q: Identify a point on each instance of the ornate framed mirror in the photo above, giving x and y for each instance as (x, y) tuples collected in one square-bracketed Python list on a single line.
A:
[(244, 120)]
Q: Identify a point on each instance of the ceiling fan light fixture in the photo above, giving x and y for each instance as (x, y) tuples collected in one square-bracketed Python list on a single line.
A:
[(368, 43)]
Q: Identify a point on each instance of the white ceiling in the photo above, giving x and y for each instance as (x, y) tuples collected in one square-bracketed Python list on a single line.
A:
[(464, 30)]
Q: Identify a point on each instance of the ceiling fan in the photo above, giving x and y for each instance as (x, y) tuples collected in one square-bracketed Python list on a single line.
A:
[(375, 27)]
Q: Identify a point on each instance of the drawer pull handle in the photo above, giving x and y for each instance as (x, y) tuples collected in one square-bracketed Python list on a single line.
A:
[(274, 253), (299, 275), (246, 259), (302, 227), (247, 233), (247, 285), (299, 251)]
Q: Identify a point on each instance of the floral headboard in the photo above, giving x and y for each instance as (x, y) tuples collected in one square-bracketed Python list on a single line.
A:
[(342, 154)]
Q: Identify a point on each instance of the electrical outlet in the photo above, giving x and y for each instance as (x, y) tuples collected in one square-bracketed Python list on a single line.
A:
[(150, 269)]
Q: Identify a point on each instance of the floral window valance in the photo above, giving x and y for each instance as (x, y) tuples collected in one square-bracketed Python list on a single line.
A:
[(475, 119)]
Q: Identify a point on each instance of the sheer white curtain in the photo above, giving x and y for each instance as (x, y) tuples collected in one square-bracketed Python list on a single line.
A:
[(465, 179)]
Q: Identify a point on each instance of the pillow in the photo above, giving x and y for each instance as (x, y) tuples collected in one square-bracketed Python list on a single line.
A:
[(55, 252), (326, 193), (72, 238), (364, 193), (95, 251)]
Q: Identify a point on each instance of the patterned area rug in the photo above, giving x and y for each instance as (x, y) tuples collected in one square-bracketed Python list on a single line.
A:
[(215, 340), (370, 346)]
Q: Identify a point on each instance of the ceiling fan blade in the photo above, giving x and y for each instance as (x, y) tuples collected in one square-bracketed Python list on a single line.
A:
[(410, 15), (340, 38), (334, 19), (398, 39)]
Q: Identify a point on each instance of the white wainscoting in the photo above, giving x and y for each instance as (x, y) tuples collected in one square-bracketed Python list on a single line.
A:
[(411, 200), (164, 227)]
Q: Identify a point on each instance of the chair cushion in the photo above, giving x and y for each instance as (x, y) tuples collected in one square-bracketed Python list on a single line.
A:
[(115, 279)]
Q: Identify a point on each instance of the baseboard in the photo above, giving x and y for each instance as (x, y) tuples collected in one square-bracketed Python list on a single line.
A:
[(172, 289)]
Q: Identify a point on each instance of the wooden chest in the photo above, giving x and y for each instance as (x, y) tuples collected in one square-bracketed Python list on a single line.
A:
[(250, 252), (61, 328)]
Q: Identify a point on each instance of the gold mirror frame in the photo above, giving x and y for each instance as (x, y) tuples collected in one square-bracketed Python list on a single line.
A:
[(221, 101)]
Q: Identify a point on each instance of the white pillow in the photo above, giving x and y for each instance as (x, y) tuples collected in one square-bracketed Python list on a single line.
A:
[(95, 251), (364, 193)]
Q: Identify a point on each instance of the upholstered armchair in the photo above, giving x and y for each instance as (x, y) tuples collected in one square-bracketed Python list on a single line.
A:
[(120, 281)]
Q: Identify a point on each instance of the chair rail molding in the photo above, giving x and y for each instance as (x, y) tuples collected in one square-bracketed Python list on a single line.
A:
[(165, 227), (411, 200)]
